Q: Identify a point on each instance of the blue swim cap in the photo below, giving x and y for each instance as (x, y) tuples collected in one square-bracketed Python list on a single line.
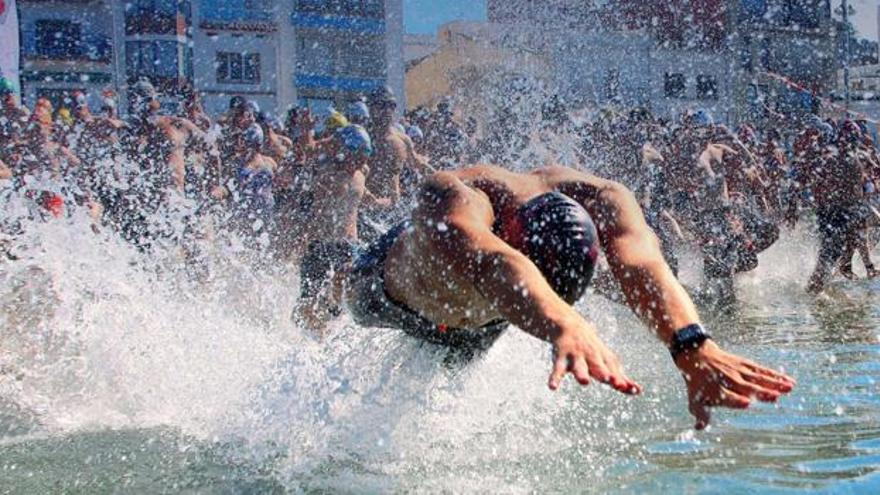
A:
[(561, 240), (253, 135), (702, 117), (358, 112), (415, 133), (6, 86), (355, 139)]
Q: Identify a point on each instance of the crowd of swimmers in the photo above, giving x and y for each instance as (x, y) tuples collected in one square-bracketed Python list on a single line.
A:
[(308, 190)]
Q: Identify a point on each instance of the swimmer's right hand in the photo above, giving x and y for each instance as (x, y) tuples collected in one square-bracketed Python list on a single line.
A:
[(581, 353)]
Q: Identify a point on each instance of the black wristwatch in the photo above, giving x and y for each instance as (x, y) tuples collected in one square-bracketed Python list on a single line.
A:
[(687, 338)]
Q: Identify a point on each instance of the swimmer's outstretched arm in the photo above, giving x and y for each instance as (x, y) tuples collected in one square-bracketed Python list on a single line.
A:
[(713, 376), (458, 220)]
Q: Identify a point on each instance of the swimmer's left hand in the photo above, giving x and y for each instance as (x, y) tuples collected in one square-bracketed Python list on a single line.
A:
[(716, 378)]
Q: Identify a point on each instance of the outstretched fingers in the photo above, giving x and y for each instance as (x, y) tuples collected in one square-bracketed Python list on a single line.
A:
[(585, 367), (699, 404), (744, 387), (620, 381), (560, 366), (772, 379), (581, 371), (701, 413)]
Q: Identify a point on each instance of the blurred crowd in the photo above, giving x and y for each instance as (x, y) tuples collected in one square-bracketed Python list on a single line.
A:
[(284, 185)]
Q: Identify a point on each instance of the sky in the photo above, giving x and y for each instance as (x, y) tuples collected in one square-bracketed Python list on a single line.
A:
[(866, 17), (425, 16)]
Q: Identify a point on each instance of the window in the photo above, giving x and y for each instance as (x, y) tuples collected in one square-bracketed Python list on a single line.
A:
[(674, 85), (612, 84), (58, 39), (153, 59), (236, 10), (238, 68), (745, 54), (361, 56), (357, 8), (152, 16), (707, 87), (315, 55)]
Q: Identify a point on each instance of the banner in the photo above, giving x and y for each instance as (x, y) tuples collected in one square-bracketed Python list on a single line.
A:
[(9, 51)]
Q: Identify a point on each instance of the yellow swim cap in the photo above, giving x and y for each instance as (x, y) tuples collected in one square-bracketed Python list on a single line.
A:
[(64, 116), (335, 121)]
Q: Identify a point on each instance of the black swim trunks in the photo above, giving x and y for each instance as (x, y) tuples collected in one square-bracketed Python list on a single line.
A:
[(838, 225), (370, 305), (321, 261)]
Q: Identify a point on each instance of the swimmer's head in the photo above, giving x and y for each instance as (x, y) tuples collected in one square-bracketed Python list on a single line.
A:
[(6, 87), (144, 96), (382, 104), (702, 118), (415, 133), (559, 237), (253, 137), (358, 113), (334, 121), (354, 140)]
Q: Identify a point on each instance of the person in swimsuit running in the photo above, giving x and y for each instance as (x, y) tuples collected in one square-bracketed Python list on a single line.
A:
[(340, 189), (486, 247)]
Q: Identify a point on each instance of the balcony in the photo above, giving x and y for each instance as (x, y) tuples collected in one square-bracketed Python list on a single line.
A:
[(66, 45), (370, 9), (236, 15)]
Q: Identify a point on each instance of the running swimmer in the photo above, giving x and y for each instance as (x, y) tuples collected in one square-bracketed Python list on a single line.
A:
[(486, 247), (340, 188), (254, 176), (394, 151)]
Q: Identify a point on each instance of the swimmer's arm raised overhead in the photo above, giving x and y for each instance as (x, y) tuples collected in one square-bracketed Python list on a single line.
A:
[(713, 376), (458, 222)]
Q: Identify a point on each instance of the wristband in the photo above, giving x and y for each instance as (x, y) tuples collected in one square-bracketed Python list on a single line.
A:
[(687, 338)]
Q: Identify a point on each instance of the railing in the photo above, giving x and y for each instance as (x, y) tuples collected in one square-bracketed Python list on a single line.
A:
[(233, 11), (149, 22), (90, 47)]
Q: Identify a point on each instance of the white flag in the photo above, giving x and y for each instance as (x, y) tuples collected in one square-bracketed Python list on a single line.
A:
[(9, 42)]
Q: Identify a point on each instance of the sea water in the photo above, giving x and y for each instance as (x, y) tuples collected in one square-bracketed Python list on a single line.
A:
[(120, 372)]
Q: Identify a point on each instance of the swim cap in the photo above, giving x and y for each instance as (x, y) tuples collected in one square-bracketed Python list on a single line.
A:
[(381, 97), (79, 99), (561, 240), (236, 102), (253, 135), (355, 139), (334, 121), (6, 86), (702, 117), (64, 116), (144, 89), (358, 112), (415, 133)]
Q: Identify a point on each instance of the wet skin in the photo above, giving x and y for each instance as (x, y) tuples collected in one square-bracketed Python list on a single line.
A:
[(453, 269)]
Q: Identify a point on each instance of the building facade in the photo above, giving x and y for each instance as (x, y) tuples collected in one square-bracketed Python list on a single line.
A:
[(743, 59), (63, 50), (275, 52)]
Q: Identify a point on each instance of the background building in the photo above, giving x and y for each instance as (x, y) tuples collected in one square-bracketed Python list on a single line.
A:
[(276, 52), (745, 59), (62, 49)]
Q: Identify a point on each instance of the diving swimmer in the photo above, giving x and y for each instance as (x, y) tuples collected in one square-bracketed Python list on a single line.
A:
[(486, 247)]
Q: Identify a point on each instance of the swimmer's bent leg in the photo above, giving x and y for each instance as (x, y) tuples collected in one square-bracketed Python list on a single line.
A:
[(321, 272)]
